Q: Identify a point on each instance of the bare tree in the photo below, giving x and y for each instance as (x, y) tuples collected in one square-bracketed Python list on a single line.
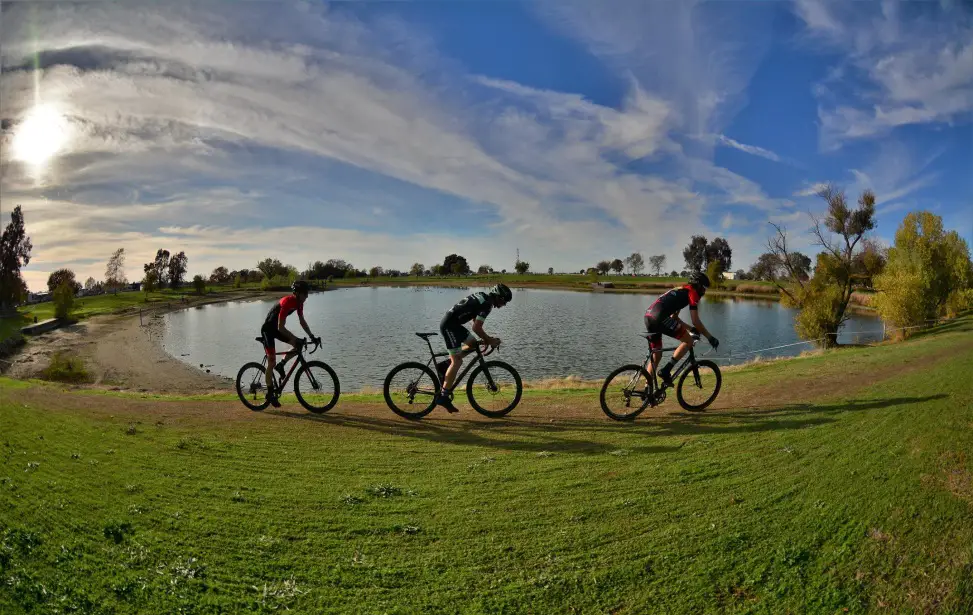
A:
[(115, 271), (658, 263)]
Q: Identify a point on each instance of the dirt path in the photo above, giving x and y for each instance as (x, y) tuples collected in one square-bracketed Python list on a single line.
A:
[(550, 412), (125, 352)]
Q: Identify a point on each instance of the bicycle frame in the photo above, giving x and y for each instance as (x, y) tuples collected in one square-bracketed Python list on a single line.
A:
[(688, 361), (459, 377), (299, 359)]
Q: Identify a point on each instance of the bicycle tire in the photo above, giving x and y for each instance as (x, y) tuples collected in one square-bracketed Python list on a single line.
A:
[(716, 391), (256, 407), (425, 371), (499, 365), (644, 403), (302, 371)]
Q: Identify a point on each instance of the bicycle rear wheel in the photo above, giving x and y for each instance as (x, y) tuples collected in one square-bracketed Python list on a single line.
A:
[(410, 390), (316, 386), (699, 385), (625, 393), (251, 386), (494, 389)]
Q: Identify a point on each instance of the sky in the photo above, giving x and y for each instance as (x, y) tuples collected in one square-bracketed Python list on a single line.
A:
[(387, 133)]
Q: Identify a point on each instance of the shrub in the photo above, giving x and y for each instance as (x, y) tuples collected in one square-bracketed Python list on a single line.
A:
[(237, 282), (63, 300), (199, 284), (64, 368)]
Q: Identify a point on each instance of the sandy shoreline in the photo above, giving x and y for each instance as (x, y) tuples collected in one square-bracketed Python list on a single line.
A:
[(120, 353)]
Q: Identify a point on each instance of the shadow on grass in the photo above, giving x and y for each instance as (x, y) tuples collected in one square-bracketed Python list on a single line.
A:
[(569, 435)]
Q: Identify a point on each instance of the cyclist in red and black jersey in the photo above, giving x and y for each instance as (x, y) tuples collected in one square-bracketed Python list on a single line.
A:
[(663, 317), (274, 329)]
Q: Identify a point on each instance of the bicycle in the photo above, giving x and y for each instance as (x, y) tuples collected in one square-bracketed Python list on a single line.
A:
[(704, 375), (423, 384), (315, 384)]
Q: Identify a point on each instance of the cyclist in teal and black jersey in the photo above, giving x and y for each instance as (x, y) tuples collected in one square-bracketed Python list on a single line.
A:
[(663, 317), (476, 306), (274, 329)]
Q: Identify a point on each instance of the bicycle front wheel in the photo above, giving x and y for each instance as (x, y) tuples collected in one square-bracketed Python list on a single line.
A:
[(316, 386), (410, 390), (699, 385), (251, 386), (494, 389), (625, 393)]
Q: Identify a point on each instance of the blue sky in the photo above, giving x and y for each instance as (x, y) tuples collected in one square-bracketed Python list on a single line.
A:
[(386, 133)]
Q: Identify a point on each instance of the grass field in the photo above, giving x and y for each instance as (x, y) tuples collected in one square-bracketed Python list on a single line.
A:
[(832, 484)]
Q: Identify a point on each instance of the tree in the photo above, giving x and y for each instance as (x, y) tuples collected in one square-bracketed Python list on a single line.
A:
[(15, 247), (437, 269), (151, 280), (714, 271), (657, 262), (617, 265), (417, 269), (695, 253), (870, 262), (64, 299), (484, 269), (220, 275), (719, 250), (823, 300), (272, 267), (635, 263), (375, 272), (177, 269), (603, 267), (90, 284), (674, 274), (62, 276), (740, 274), (522, 267), (161, 265), (455, 259), (929, 273), (550, 270), (199, 284), (115, 270)]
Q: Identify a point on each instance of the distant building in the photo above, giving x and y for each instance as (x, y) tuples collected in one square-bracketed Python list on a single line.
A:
[(729, 275)]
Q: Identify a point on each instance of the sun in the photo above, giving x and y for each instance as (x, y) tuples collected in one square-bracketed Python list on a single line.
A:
[(40, 136)]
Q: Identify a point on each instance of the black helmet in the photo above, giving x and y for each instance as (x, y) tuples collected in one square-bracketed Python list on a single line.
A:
[(501, 290), (300, 286), (698, 278)]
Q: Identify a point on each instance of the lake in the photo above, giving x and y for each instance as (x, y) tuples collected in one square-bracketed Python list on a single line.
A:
[(545, 333)]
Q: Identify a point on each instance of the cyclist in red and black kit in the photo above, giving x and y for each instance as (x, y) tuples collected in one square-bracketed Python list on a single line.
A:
[(663, 317), (274, 329)]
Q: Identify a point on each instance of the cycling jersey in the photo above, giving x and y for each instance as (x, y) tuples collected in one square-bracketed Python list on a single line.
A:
[(672, 302), (477, 305), (287, 305), (662, 316)]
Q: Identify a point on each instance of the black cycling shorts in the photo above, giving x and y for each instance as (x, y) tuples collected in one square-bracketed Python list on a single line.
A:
[(268, 334), (454, 334), (671, 326)]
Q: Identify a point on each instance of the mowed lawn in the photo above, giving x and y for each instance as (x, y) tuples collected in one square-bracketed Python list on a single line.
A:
[(833, 484)]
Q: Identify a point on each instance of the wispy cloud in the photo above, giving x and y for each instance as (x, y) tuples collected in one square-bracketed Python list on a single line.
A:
[(913, 63), (750, 149)]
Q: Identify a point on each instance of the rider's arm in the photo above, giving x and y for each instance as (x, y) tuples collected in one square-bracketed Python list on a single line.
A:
[(478, 329), (699, 324), (307, 329)]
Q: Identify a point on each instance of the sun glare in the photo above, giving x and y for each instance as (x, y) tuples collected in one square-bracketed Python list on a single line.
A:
[(40, 136)]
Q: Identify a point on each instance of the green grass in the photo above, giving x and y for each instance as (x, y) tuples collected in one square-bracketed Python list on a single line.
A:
[(861, 502), (85, 307), (10, 327)]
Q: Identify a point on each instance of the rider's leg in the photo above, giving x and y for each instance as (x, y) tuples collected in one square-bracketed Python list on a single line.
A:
[(687, 339)]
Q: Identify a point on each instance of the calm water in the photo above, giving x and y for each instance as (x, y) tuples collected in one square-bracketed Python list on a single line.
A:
[(545, 333)]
